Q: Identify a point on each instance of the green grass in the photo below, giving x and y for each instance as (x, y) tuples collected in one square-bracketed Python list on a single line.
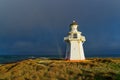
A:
[(38, 69)]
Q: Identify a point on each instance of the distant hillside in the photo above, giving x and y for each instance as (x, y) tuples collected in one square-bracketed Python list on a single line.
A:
[(39, 69)]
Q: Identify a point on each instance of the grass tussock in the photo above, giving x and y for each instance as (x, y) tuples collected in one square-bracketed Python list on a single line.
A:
[(38, 69)]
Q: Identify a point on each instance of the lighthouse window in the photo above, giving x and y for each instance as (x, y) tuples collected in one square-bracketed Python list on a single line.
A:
[(74, 35)]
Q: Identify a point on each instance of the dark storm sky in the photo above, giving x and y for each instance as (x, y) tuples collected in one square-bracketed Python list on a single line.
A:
[(39, 26)]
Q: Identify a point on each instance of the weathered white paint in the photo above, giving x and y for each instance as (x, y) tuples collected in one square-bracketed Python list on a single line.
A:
[(75, 40)]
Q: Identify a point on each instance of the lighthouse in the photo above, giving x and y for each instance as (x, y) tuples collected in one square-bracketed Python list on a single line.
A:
[(74, 40)]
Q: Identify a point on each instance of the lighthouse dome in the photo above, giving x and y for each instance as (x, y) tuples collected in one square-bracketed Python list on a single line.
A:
[(74, 23), (73, 26)]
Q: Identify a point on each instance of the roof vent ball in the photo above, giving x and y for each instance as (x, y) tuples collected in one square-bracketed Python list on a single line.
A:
[(74, 23)]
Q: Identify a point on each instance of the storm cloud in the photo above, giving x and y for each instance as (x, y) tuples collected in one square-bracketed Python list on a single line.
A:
[(38, 27)]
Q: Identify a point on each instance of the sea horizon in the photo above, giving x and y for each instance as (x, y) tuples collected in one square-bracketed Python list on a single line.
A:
[(14, 58)]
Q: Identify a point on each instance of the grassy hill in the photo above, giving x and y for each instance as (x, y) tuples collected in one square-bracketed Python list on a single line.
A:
[(46, 69)]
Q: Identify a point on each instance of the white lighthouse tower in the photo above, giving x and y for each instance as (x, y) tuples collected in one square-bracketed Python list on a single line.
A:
[(75, 42)]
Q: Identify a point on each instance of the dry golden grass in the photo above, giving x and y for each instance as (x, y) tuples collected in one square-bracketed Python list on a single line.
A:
[(38, 69)]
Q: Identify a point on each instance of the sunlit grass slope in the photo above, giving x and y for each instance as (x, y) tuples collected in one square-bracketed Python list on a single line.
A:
[(46, 69)]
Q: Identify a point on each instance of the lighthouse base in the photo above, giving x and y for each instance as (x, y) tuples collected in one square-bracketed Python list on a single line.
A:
[(75, 60)]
